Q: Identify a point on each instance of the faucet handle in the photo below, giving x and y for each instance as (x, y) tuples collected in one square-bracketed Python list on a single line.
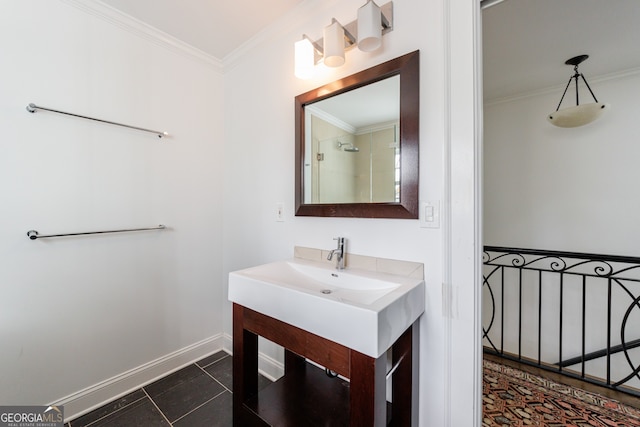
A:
[(340, 251)]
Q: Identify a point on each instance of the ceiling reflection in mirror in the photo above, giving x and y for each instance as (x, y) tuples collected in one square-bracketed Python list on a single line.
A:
[(352, 150)]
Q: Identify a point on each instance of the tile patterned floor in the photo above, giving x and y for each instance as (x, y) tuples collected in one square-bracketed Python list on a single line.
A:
[(515, 398), (197, 395)]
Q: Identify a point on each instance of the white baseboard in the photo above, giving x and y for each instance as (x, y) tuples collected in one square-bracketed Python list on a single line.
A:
[(267, 366), (270, 367), (93, 397), (227, 343)]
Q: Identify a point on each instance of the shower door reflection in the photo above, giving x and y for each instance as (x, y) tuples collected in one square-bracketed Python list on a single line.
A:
[(360, 167)]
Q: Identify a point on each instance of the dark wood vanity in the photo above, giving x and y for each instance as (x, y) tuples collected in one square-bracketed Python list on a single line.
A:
[(305, 395)]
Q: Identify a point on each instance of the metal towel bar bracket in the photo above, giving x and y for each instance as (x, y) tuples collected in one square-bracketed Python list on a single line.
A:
[(32, 108), (33, 234)]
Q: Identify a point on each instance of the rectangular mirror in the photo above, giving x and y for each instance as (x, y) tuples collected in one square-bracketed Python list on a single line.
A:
[(357, 144), (352, 149)]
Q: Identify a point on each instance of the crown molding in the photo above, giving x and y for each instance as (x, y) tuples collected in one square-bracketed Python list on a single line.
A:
[(295, 18), (329, 118), (617, 75), (143, 30)]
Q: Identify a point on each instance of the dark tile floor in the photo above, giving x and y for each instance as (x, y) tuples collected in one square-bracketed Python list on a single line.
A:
[(200, 395), (197, 395)]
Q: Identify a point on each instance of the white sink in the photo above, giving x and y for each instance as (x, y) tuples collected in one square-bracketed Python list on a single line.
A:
[(362, 310)]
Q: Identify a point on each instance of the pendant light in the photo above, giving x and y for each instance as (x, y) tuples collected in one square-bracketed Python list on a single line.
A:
[(579, 115)]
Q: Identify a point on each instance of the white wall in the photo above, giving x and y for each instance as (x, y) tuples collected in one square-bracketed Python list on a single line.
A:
[(121, 301), (564, 189), (260, 173), (77, 311)]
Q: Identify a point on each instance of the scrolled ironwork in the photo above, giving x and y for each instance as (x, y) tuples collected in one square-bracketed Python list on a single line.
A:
[(517, 260), (625, 348), (628, 269), (487, 329), (618, 276), (600, 268), (553, 263)]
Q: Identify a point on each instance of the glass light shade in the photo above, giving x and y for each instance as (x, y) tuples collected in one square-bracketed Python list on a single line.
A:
[(333, 45), (369, 27), (304, 59), (579, 115)]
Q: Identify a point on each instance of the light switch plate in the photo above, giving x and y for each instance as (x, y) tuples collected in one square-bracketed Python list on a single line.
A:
[(430, 214), (280, 212)]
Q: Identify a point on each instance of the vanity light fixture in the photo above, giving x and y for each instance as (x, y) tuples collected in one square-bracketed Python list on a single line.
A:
[(365, 32), (579, 115)]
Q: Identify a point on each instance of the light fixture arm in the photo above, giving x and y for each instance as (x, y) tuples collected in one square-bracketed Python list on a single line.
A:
[(386, 24), (315, 44), (588, 87), (350, 38), (575, 62), (565, 92)]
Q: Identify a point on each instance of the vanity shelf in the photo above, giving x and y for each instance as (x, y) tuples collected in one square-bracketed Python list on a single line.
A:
[(305, 395)]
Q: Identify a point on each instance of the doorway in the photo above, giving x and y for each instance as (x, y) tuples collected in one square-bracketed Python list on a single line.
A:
[(562, 189)]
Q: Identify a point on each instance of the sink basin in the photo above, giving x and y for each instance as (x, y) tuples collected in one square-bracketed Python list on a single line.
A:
[(362, 310)]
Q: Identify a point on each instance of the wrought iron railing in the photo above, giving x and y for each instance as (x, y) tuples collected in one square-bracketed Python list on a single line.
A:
[(573, 313)]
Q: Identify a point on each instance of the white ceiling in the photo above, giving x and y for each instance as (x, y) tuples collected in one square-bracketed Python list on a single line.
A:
[(526, 42), (366, 106), (216, 27)]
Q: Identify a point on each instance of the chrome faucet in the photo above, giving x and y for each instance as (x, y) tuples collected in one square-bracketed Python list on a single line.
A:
[(339, 252)]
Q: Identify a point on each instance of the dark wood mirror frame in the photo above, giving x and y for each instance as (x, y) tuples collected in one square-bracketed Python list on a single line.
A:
[(408, 68)]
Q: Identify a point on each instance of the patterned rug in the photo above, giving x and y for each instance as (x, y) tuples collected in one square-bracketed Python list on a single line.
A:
[(515, 398)]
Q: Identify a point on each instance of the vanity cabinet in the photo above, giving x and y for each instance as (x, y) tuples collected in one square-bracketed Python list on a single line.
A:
[(305, 395)]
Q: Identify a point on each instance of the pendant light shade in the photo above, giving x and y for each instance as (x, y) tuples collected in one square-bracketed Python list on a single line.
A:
[(333, 44), (579, 115), (369, 27)]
